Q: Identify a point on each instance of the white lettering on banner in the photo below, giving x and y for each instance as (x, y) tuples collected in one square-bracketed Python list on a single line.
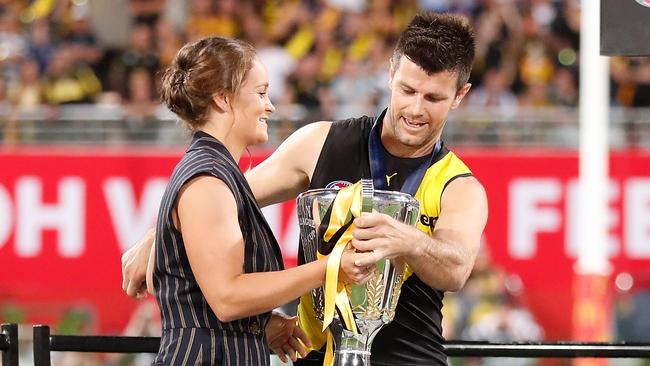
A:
[(526, 218), (572, 238), (66, 216), (130, 222), (273, 215), (292, 235), (637, 217), (5, 216), (288, 239)]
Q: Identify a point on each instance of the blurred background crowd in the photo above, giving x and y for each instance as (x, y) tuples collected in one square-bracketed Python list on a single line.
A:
[(65, 60), (81, 71)]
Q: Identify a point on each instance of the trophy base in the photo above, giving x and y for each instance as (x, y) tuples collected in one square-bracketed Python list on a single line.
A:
[(352, 358)]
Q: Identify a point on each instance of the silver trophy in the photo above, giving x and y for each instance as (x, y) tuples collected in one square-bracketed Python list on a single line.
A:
[(373, 304)]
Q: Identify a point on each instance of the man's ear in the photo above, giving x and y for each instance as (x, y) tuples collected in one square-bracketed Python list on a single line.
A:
[(460, 95), (222, 102), (391, 71)]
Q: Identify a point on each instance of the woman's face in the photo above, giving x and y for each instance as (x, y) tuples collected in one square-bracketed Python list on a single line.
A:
[(252, 107)]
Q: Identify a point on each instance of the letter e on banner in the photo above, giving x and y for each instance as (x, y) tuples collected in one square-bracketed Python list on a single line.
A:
[(637, 217)]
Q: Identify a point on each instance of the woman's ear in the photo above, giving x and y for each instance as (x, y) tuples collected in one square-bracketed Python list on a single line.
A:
[(222, 102)]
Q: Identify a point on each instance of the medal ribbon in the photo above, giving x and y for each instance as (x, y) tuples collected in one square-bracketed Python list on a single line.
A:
[(377, 155)]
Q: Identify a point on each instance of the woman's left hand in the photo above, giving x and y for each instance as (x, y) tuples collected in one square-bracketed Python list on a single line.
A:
[(285, 337)]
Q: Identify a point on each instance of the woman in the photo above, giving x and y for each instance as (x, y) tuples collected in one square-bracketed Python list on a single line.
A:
[(218, 268)]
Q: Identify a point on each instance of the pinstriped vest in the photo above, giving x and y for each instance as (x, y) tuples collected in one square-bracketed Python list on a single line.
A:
[(182, 304)]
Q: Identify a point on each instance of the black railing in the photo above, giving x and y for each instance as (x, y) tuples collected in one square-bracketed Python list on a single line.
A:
[(547, 349), (44, 343), (9, 344)]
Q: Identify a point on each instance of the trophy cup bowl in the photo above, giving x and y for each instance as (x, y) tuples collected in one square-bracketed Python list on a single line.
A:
[(373, 304)]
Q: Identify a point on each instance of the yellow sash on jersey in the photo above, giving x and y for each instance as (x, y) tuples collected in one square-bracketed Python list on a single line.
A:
[(346, 206)]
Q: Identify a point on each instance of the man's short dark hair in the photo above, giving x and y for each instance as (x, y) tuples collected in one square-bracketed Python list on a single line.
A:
[(438, 42)]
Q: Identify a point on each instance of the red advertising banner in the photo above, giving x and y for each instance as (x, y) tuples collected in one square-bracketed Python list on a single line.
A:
[(66, 215)]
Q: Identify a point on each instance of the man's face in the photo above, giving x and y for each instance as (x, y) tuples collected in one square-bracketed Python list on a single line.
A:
[(418, 109)]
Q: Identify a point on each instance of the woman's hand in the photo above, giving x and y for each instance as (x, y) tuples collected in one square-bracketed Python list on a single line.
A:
[(349, 272), (285, 337)]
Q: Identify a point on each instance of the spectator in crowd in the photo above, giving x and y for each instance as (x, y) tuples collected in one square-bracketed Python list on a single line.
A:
[(208, 17), (141, 54), (146, 11), (41, 48), (168, 41), (69, 81), (140, 107)]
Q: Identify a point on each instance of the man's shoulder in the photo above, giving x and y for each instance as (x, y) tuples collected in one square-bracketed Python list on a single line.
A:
[(355, 126), (355, 122)]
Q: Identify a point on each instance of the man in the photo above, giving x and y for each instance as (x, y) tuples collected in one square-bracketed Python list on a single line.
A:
[(401, 150)]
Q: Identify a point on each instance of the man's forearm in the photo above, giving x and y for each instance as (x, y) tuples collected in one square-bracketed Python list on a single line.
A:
[(441, 265)]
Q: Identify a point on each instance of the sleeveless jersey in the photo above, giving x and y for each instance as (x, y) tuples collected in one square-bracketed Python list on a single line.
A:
[(192, 333), (414, 337)]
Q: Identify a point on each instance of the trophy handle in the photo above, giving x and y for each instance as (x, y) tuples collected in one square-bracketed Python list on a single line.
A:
[(367, 194), (413, 213)]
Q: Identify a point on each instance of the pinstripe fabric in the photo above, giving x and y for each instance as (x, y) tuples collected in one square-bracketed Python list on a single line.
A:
[(192, 334)]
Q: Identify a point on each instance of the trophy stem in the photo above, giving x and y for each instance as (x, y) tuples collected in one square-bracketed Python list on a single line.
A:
[(351, 349), (352, 358)]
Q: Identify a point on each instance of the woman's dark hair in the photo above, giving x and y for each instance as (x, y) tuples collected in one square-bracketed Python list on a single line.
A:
[(209, 66), (438, 42)]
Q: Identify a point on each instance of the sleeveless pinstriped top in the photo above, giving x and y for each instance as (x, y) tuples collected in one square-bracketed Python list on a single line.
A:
[(192, 334)]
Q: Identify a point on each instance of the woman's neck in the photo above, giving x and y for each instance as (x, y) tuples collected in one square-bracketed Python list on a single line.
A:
[(221, 131)]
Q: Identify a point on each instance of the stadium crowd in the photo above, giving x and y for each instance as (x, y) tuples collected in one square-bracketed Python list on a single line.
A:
[(326, 58)]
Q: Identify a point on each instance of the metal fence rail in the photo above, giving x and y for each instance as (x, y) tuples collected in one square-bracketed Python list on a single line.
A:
[(9, 344), (44, 343), (548, 349), (92, 124)]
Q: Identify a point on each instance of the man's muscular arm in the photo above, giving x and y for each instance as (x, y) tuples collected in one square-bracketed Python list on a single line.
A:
[(134, 266), (288, 171), (443, 260)]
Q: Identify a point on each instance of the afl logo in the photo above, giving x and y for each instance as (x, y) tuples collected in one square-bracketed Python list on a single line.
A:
[(338, 184), (645, 3)]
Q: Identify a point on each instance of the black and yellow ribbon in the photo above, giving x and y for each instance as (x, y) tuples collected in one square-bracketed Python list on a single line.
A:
[(335, 232)]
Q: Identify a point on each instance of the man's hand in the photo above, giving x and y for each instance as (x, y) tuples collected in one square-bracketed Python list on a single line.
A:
[(383, 237), (284, 337), (134, 266)]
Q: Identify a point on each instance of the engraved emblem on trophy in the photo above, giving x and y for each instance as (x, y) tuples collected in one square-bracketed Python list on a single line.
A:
[(354, 314)]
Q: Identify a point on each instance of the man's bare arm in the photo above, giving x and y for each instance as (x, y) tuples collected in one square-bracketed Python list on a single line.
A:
[(288, 171), (443, 260), (134, 266)]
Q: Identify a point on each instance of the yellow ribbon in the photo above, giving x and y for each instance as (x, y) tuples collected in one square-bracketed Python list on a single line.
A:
[(346, 206), (346, 203)]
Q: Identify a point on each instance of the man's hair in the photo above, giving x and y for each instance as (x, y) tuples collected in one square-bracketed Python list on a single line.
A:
[(438, 42)]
